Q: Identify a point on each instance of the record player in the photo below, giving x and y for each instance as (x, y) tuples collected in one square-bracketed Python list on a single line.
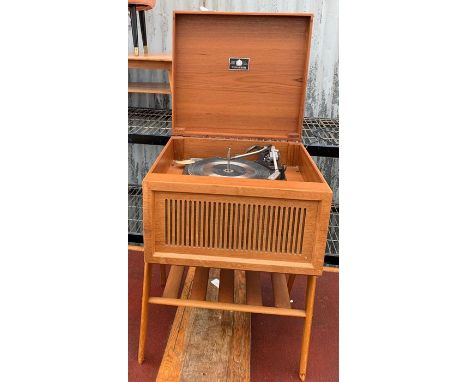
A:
[(234, 188), (238, 101)]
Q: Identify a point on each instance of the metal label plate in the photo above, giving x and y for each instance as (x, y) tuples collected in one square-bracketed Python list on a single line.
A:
[(237, 63)]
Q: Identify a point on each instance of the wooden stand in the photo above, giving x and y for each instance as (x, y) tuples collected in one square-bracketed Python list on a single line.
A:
[(151, 62), (198, 276)]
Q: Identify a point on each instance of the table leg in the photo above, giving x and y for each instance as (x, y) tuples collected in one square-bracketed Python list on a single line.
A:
[(144, 311), (141, 14), (134, 22), (310, 297)]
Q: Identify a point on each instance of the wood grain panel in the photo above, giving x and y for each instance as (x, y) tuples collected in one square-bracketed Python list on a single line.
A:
[(267, 100)]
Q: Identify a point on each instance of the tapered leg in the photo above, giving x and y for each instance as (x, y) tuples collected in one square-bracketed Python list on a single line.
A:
[(134, 22), (310, 297), (143, 31), (291, 282), (144, 311), (162, 274)]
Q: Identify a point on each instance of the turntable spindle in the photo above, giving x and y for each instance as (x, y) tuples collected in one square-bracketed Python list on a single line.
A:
[(228, 164)]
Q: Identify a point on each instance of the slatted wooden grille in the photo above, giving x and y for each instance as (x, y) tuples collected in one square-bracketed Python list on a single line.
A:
[(235, 226)]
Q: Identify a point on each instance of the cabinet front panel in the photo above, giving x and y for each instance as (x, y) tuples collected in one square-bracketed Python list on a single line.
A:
[(233, 226)]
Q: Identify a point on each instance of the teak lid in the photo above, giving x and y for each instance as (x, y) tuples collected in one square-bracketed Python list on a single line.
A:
[(240, 74)]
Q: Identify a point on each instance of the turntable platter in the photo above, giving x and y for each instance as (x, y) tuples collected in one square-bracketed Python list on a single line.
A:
[(239, 168)]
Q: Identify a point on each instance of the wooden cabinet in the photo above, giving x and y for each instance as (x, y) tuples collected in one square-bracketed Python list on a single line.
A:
[(250, 224)]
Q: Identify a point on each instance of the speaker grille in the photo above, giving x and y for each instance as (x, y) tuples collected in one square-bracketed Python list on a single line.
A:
[(234, 226)]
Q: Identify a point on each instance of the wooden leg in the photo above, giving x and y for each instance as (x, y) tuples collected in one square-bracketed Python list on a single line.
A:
[(162, 274), (134, 22), (291, 283), (141, 14), (310, 296), (144, 311)]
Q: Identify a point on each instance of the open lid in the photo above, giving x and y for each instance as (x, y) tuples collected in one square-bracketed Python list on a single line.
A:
[(240, 74)]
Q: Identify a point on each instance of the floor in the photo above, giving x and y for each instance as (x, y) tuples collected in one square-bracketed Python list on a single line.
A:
[(273, 357)]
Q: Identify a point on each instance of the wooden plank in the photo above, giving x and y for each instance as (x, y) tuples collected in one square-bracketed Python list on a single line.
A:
[(280, 290), (254, 288), (151, 62), (208, 345), (239, 357), (226, 306), (171, 364), (149, 87), (226, 286), (208, 348), (200, 281), (173, 281)]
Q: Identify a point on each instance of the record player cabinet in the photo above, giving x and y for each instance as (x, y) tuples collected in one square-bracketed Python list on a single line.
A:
[(253, 225)]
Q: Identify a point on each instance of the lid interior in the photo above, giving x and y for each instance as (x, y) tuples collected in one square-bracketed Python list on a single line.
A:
[(265, 101)]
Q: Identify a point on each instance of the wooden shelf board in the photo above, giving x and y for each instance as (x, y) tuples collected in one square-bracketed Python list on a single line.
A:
[(149, 87), (225, 298), (159, 57)]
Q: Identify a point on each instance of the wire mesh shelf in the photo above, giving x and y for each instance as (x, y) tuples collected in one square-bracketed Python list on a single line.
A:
[(333, 248), (135, 220), (320, 131), (135, 210), (155, 122)]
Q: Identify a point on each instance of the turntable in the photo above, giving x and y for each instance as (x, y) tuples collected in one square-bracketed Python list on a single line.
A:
[(265, 167), (234, 188)]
